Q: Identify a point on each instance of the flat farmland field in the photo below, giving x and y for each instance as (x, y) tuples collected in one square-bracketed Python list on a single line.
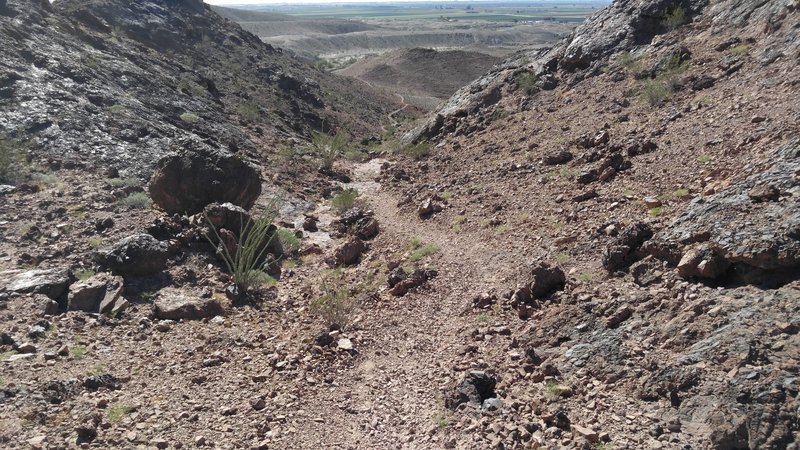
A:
[(498, 12)]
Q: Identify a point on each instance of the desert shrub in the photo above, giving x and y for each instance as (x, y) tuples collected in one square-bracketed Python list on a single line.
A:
[(654, 92), (740, 49), (135, 200), (190, 117), (290, 243), (124, 182), (248, 111), (335, 305), (419, 250), (655, 212), (417, 151), (526, 82), (675, 18), (356, 154), (329, 147), (284, 158), (244, 265), (117, 412), (344, 200), (323, 65), (118, 109), (44, 180), (630, 62), (10, 158)]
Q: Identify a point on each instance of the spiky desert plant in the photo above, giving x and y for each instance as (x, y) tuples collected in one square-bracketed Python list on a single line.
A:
[(254, 239)]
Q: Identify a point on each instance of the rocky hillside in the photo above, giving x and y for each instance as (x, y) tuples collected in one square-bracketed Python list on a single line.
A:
[(119, 83), (652, 156)]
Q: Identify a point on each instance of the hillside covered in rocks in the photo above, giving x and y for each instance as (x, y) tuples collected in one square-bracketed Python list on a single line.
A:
[(593, 246)]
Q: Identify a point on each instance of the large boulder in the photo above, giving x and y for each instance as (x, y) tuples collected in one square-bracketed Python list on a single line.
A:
[(137, 255), (50, 282), (187, 182), (177, 304)]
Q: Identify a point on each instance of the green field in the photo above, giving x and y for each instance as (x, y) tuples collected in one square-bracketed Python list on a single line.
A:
[(486, 11)]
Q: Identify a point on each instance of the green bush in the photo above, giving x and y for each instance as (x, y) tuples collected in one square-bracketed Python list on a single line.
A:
[(329, 147), (190, 117), (420, 250), (527, 82), (248, 111), (675, 18), (417, 151), (290, 243), (135, 200), (10, 157), (124, 182), (254, 241), (654, 92), (344, 200), (335, 306)]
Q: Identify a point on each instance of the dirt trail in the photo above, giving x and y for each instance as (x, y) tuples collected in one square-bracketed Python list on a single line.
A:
[(397, 386)]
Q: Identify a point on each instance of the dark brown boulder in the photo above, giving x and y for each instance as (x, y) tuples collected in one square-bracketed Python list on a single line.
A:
[(187, 182)]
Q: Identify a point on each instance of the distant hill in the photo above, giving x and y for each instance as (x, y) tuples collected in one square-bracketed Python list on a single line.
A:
[(422, 72)]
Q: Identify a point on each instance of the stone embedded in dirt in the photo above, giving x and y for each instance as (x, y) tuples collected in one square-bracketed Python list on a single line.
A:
[(703, 82), (429, 207), (27, 347), (546, 280), (764, 193), (587, 176), (704, 261), (636, 148), (89, 294), (557, 157), (310, 223), (647, 271), (413, 280), (344, 344), (367, 228), (587, 433), (484, 300), (185, 183), (50, 282), (621, 314), (136, 255), (348, 253), (651, 202), (177, 304), (588, 195), (602, 137), (476, 387), (623, 250)]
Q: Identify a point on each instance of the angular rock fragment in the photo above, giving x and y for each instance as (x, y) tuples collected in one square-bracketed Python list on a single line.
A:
[(177, 304), (136, 255), (50, 282)]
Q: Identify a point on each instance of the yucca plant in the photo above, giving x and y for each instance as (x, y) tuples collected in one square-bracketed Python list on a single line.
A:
[(244, 261), (329, 147)]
